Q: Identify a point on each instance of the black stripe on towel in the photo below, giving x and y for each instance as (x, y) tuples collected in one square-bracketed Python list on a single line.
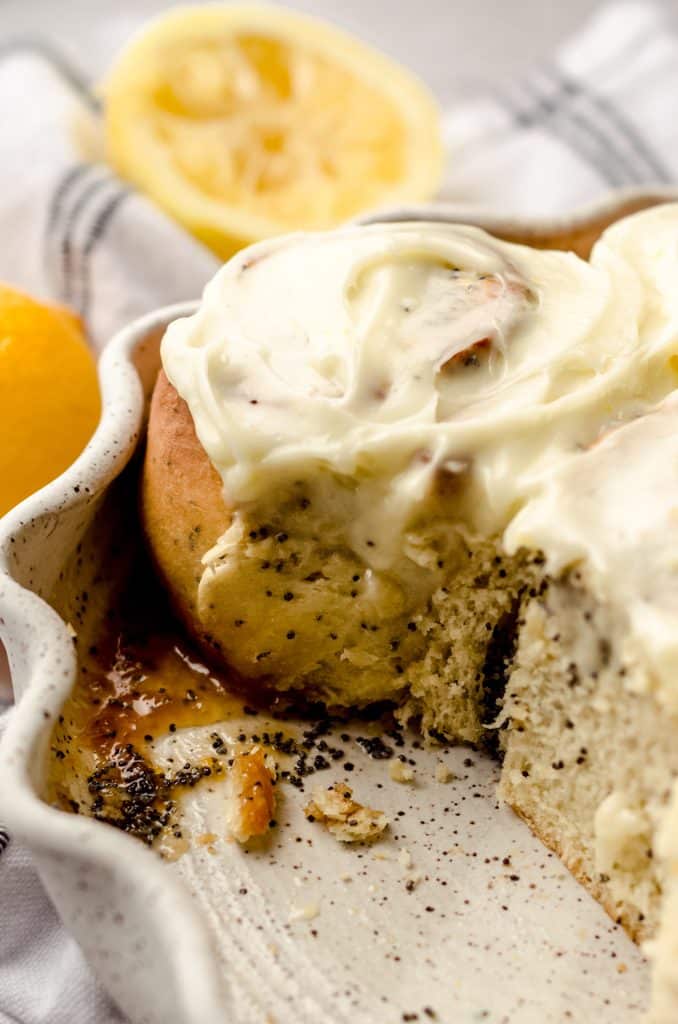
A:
[(71, 203), (647, 160), (96, 233), (57, 265), (66, 182), (57, 61), (4, 840), (549, 115), (592, 126), (70, 250)]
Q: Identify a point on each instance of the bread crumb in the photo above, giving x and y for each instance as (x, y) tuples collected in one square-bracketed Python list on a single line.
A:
[(405, 858), (251, 795), (207, 838), (171, 846), (400, 772), (305, 912), (622, 968), (344, 817), (443, 773), (412, 878)]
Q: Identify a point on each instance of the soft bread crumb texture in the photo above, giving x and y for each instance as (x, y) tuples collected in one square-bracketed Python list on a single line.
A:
[(275, 594), (347, 820), (590, 755), (469, 627), (477, 646), (288, 606)]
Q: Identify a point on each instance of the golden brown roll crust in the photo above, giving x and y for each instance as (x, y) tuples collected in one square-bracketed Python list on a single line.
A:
[(289, 608), (184, 515), (182, 506)]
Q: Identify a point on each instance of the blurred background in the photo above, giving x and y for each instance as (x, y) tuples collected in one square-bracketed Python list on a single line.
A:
[(456, 46)]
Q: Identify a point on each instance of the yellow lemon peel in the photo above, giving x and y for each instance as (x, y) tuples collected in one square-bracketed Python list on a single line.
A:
[(247, 121), (49, 395)]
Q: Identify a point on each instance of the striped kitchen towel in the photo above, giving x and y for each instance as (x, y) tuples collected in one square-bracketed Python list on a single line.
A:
[(44, 978), (79, 235), (599, 115)]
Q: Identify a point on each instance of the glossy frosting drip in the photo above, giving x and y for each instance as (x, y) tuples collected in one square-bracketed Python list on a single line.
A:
[(396, 356)]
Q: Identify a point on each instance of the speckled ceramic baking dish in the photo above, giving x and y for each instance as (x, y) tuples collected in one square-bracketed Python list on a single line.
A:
[(304, 930)]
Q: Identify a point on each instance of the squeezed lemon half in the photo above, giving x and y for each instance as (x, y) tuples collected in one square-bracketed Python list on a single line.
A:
[(247, 121)]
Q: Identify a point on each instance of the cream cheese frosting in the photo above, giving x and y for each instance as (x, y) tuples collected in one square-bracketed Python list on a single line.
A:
[(391, 354), (614, 510)]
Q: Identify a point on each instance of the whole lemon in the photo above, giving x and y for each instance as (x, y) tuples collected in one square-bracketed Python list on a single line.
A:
[(49, 395)]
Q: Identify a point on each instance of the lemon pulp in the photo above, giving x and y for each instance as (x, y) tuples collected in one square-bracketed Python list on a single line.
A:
[(245, 121)]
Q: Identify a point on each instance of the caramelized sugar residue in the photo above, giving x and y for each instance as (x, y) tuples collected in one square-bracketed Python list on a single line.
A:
[(142, 680), (144, 690)]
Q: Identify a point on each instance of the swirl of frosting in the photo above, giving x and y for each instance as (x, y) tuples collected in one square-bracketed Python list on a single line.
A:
[(392, 355), (613, 508)]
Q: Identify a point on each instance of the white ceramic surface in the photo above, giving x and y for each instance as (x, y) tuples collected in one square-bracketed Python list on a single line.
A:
[(142, 933), (300, 929)]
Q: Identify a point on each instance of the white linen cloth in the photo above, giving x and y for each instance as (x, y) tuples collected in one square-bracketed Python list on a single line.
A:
[(600, 114)]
